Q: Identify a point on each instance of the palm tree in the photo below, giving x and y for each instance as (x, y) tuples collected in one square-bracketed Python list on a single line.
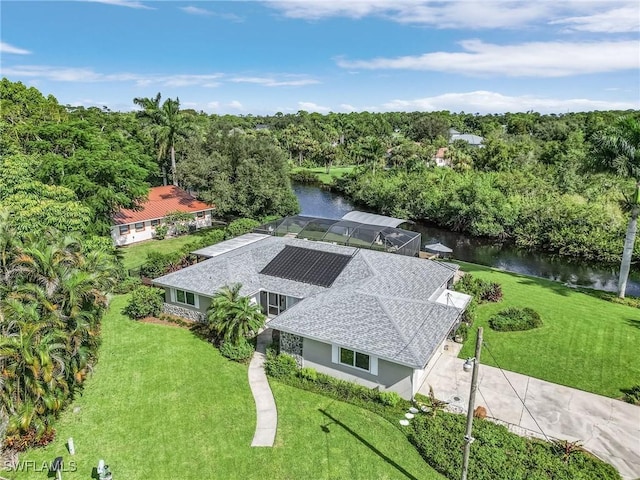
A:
[(166, 124), (618, 150), (233, 316)]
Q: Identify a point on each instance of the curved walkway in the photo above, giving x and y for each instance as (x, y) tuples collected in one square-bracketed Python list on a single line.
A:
[(607, 427), (266, 413)]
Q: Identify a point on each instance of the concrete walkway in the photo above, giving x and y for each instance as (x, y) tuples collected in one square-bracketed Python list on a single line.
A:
[(266, 413), (606, 427)]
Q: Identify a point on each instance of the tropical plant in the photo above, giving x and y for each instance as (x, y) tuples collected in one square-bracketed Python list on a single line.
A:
[(52, 296), (618, 150), (166, 123), (234, 316), (514, 319), (144, 302)]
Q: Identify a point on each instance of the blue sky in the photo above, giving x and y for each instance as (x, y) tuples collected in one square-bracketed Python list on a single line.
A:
[(262, 57)]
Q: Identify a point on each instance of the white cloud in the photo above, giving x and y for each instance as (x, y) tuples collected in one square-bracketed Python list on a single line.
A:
[(449, 14), (584, 15), (7, 48), (209, 13), (196, 10), (293, 81), (87, 75), (313, 107), (213, 105), (124, 3), (235, 104), (617, 20), (492, 102), (347, 107), (534, 59)]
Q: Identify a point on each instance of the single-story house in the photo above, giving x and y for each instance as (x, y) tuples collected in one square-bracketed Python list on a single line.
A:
[(132, 226), (375, 318), (441, 157), (474, 140)]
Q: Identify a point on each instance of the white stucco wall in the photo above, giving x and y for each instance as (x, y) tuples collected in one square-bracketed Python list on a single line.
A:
[(148, 233)]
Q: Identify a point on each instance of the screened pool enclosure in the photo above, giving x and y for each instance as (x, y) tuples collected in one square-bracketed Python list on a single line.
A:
[(346, 232)]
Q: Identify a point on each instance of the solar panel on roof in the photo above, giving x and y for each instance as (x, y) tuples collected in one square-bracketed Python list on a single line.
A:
[(308, 266)]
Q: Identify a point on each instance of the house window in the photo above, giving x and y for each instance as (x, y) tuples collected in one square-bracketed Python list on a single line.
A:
[(139, 227), (276, 304), (124, 229), (186, 298), (155, 223), (200, 214), (355, 359)]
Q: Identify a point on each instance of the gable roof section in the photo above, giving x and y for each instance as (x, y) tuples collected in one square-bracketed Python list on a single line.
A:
[(161, 201), (307, 265)]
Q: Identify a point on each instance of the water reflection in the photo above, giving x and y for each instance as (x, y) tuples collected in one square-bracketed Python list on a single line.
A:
[(317, 202)]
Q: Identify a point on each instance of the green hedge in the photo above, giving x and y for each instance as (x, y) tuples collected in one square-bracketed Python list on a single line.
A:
[(497, 453), (515, 319)]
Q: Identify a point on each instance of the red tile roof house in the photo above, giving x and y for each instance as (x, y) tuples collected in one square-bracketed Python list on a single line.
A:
[(132, 226)]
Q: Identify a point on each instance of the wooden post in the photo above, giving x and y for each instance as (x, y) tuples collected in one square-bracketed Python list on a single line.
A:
[(472, 400)]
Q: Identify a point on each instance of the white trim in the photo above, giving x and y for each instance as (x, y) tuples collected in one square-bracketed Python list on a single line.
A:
[(373, 360), (196, 298), (374, 365)]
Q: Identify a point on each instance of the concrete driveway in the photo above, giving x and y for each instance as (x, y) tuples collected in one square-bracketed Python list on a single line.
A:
[(606, 427)]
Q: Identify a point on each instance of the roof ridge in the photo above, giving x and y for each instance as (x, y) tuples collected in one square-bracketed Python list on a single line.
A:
[(416, 358)]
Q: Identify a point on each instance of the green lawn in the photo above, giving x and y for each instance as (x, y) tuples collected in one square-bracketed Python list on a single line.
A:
[(135, 255), (585, 342), (163, 404), (327, 178)]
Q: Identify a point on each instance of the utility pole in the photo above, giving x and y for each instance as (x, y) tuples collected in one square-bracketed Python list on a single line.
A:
[(468, 439)]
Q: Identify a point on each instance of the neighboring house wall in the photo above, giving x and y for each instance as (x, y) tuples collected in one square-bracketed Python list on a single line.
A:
[(390, 376), (148, 230)]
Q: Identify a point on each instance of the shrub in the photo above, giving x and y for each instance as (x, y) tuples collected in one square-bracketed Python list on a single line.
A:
[(482, 290), (161, 232), (632, 395), (498, 453), (281, 366), (305, 176), (469, 315), (204, 239), (127, 285), (240, 227), (390, 399), (515, 319), (242, 351), (308, 374), (463, 332), (157, 263), (144, 302)]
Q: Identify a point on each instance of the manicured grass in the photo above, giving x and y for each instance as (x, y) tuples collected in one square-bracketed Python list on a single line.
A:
[(327, 178), (585, 342), (135, 255), (163, 404)]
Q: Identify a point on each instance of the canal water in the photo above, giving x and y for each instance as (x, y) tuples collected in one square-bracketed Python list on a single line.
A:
[(318, 202)]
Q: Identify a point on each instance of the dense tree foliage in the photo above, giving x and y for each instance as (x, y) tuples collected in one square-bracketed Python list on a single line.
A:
[(52, 297), (242, 174), (99, 157)]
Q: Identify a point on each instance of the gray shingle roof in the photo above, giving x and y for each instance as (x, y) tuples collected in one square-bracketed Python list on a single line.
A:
[(379, 304)]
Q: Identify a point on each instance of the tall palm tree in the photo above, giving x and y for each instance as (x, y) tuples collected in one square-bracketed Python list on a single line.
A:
[(233, 316), (166, 124), (618, 150)]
